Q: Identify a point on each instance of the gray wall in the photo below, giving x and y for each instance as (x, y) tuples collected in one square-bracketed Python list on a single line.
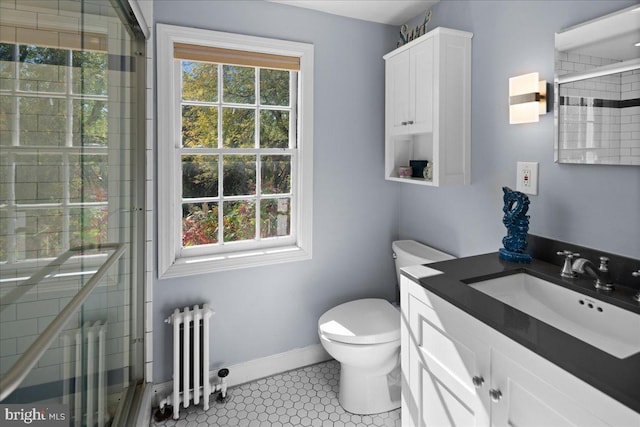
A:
[(595, 206), (268, 310)]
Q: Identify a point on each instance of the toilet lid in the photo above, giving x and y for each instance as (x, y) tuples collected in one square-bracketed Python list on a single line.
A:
[(364, 321)]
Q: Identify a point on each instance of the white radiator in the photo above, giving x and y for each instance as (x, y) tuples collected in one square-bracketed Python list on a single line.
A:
[(85, 346), (191, 341)]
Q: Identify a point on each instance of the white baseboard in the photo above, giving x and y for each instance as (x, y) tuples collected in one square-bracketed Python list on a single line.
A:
[(275, 364), (259, 368)]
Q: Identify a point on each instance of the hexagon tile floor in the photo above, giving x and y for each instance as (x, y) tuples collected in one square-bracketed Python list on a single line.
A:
[(303, 397)]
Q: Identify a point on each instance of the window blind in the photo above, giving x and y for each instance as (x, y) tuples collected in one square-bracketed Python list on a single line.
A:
[(73, 40), (218, 55)]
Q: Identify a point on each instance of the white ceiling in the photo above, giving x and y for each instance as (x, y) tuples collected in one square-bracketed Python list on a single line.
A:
[(392, 12)]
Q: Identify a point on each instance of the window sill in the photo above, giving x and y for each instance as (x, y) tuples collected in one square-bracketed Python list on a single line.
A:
[(233, 261)]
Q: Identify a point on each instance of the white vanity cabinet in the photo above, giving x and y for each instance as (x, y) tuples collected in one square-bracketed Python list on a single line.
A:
[(439, 361), (457, 371), (428, 106)]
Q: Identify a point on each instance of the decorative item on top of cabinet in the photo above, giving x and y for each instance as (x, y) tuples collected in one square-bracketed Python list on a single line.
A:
[(407, 35), (428, 107)]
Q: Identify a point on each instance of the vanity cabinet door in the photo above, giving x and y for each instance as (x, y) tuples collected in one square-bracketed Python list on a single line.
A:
[(440, 363), (522, 398)]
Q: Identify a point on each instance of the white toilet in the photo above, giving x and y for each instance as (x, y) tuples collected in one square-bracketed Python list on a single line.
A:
[(364, 336)]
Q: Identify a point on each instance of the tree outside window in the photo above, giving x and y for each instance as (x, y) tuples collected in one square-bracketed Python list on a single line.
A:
[(253, 199)]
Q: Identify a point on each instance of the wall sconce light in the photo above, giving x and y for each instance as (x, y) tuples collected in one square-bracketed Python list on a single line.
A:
[(527, 98)]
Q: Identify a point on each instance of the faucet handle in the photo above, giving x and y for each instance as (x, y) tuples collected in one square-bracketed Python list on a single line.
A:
[(604, 263), (567, 271), (568, 254), (636, 297)]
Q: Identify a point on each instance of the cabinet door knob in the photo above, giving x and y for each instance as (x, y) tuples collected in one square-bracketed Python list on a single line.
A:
[(410, 122), (478, 381), (495, 394), (403, 123)]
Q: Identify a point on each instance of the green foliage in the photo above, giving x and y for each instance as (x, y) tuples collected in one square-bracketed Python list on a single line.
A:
[(42, 55), (6, 52), (239, 175), (238, 84), (199, 176), (276, 174), (89, 72), (275, 217), (238, 127), (88, 225), (200, 223), (199, 126), (274, 87), (274, 129), (239, 220), (199, 81)]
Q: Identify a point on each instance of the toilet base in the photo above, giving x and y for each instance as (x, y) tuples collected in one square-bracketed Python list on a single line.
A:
[(365, 394)]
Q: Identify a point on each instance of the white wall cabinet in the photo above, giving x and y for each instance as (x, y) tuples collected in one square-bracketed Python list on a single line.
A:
[(459, 371), (410, 89), (428, 106)]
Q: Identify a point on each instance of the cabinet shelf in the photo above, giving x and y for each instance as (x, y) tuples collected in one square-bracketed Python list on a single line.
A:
[(419, 181), (428, 108)]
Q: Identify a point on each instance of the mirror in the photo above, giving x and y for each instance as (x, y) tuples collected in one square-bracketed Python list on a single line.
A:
[(597, 90)]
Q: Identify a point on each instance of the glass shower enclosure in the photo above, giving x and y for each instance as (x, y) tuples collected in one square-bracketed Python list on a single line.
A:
[(71, 174)]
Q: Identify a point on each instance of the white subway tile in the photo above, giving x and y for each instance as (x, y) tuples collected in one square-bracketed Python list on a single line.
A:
[(148, 341), (19, 328), (42, 375), (7, 362), (51, 357), (8, 347), (8, 312), (23, 343), (148, 372), (148, 326), (148, 294)]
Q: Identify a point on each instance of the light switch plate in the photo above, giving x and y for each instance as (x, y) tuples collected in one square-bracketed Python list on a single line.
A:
[(527, 178)]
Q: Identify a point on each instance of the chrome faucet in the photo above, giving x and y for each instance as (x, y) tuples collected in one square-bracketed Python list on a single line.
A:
[(600, 274), (567, 271), (636, 296)]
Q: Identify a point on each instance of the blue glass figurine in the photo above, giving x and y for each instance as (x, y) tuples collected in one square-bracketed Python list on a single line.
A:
[(516, 205)]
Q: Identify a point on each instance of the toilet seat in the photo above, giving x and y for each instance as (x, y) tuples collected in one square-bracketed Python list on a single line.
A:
[(363, 321)]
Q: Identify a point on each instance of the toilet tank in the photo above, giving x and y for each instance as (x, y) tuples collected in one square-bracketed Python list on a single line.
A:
[(410, 252)]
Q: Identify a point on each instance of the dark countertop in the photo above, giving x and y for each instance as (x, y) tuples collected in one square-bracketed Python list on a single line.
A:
[(618, 378)]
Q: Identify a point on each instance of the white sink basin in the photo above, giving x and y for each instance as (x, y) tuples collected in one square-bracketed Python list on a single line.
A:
[(605, 326)]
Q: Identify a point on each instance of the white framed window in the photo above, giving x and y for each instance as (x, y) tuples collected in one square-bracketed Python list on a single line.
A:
[(235, 150)]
